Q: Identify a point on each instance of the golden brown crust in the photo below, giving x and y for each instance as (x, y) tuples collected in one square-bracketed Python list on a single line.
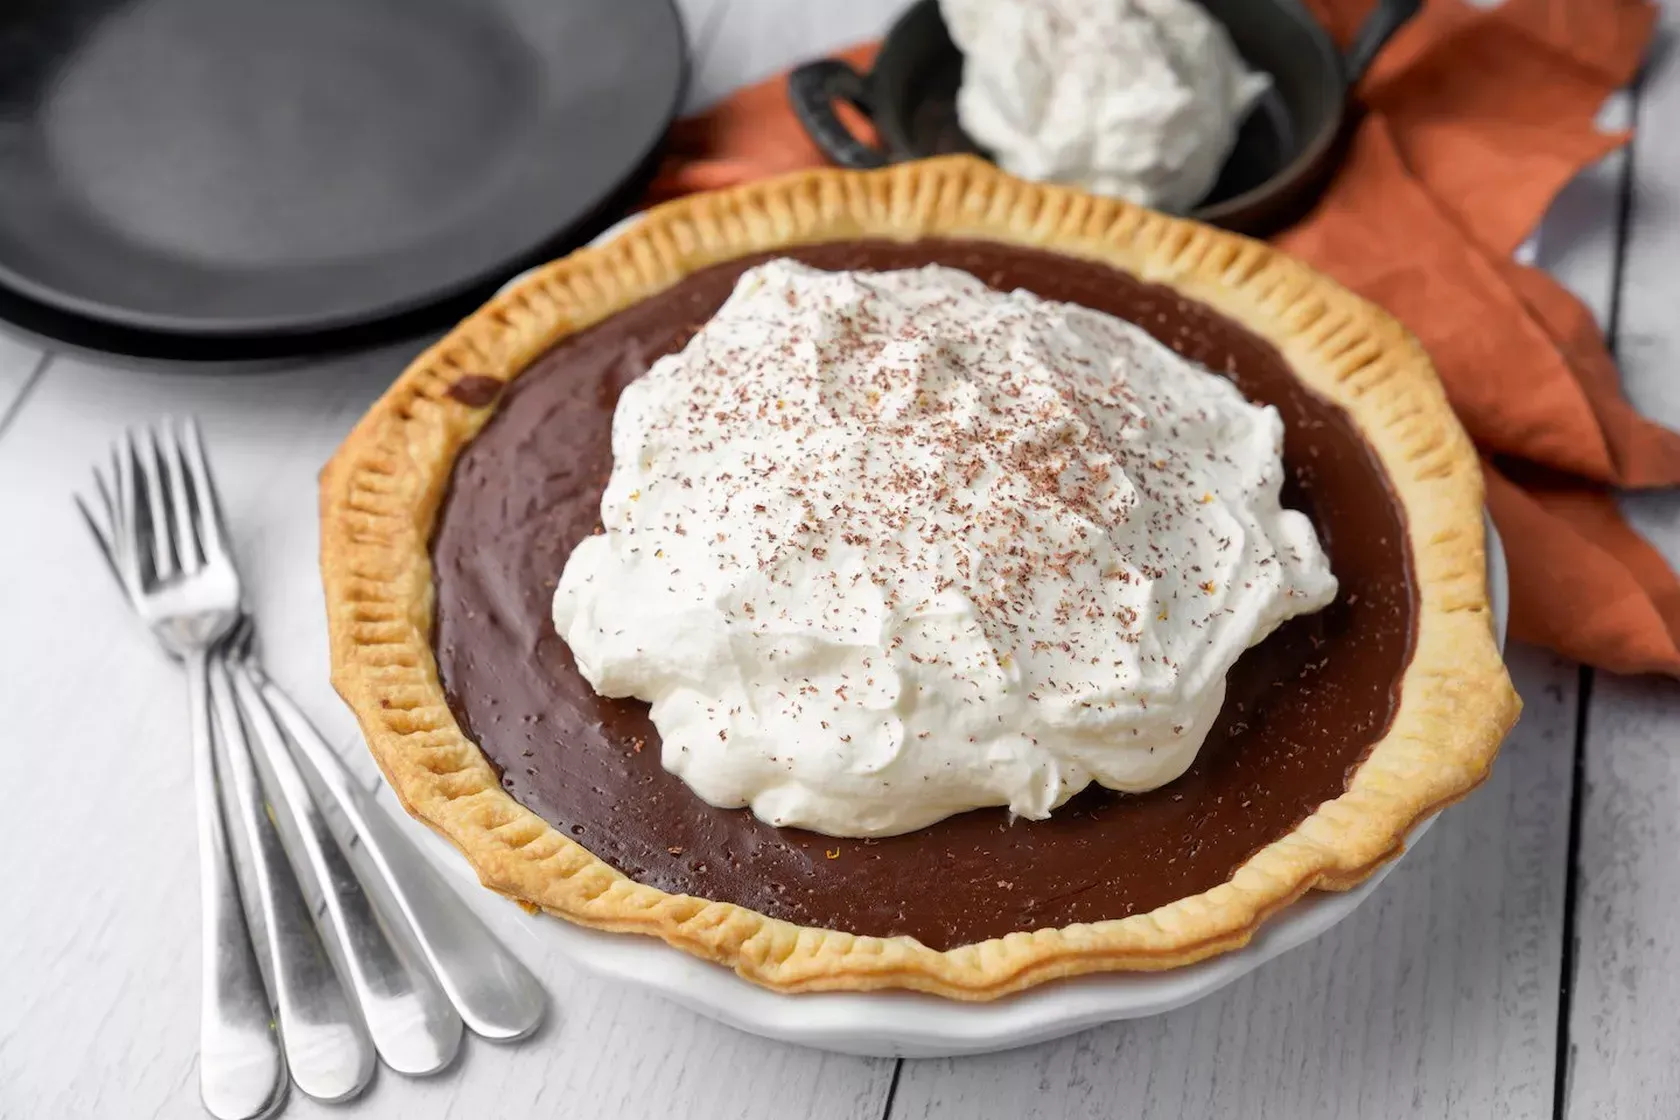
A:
[(380, 494)]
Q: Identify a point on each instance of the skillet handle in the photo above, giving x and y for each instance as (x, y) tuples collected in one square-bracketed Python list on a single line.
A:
[(813, 89), (1387, 18)]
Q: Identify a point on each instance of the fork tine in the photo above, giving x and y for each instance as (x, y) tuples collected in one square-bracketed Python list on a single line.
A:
[(102, 539), (110, 529), (182, 499), (135, 496), (164, 510), (157, 506), (212, 528), (122, 510), (119, 548)]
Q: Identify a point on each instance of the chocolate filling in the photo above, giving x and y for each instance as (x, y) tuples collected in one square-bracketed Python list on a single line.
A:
[(1302, 710)]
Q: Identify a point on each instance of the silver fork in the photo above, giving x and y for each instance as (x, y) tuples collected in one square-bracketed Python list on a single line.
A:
[(489, 987), (168, 546), (407, 1012), (491, 990)]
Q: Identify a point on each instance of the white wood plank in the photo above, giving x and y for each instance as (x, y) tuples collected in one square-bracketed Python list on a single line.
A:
[(1624, 1030), (703, 21), (757, 38), (98, 982), (1436, 998)]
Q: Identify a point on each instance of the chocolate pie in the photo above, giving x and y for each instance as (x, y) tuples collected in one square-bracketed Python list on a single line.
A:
[(454, 506)]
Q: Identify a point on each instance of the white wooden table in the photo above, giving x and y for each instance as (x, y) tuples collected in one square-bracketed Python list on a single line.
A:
[(1523, 962)]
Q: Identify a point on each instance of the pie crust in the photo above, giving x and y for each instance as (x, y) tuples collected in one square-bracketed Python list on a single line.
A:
[(381, 492)]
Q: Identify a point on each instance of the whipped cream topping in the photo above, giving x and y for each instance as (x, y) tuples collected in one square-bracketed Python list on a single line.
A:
[(883, 547), (1138, 99)]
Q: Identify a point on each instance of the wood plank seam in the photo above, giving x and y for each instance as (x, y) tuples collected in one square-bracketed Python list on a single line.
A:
[(892, 1089), (15, 405), (1565, 1060)]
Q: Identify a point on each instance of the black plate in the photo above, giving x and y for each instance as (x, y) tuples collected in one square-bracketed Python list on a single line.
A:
[(227, 169), (47, 328)]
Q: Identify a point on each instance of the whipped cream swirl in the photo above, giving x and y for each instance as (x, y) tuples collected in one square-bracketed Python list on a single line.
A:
[(883, 547), (1138, 99)]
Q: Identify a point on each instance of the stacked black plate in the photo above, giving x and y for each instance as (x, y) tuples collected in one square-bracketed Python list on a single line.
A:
[(230, 179)]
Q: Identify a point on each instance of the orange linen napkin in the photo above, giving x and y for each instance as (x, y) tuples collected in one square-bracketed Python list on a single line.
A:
[(1476, 120)]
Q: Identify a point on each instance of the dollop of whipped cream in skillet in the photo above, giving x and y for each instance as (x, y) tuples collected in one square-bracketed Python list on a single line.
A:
[(1137, 99), (883, 547)]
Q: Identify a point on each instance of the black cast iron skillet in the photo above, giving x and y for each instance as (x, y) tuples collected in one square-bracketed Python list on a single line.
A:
[(1283, 157)]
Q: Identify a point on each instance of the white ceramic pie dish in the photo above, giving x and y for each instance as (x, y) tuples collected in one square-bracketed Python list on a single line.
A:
[(911, 1025), (908, 1024)]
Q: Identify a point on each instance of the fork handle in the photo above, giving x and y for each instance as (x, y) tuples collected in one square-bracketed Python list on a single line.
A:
[(491, 989), (413, 1026), (241, 1072), (327, 1047)]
